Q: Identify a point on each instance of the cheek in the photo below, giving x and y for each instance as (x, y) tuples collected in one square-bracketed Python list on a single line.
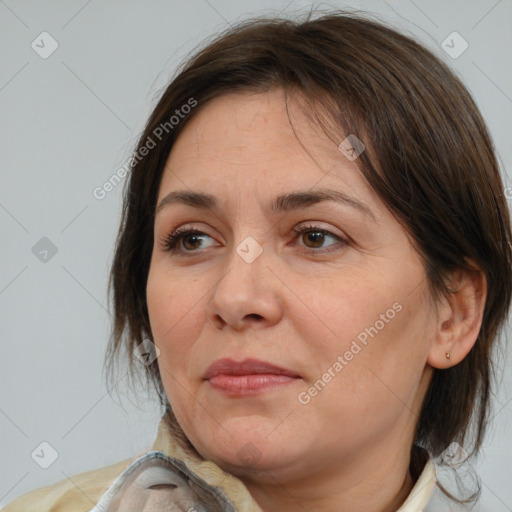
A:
[(378, 327), (174, 308), (355, 306), (386, 373), (171, 312), (375, 384)]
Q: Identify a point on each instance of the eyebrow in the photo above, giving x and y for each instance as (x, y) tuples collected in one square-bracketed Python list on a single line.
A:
[(282, 203)]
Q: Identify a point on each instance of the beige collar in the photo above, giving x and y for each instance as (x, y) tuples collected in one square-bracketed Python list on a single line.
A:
[(172, 442), (422, 490)]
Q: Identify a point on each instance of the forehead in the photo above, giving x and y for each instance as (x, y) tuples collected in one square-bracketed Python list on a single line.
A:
[(257, 143)]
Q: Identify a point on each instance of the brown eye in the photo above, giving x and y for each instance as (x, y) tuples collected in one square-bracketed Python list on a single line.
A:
[(316, 238), (185, 240), (195, 241)]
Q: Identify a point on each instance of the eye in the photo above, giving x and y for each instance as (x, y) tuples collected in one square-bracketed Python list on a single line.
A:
[(183, 240), (316, 237), (186, 239)]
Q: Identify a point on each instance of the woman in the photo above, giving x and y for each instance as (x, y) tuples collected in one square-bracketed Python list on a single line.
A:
[(314, 264)]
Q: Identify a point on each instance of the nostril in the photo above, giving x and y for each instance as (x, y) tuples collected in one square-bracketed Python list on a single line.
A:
[(254, 315)]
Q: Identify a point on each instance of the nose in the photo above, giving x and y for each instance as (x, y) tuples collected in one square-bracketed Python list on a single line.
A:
[(245, 295)]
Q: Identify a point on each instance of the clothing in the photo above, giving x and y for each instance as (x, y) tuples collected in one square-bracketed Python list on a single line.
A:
[(180, 479)]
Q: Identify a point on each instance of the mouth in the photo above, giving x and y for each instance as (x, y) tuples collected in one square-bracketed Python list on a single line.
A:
[(247, 377)]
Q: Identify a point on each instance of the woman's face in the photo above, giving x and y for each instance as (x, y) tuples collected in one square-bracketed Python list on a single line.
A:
[(350, 320)]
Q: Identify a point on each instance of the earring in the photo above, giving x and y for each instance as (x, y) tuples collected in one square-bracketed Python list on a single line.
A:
[(448, 355)]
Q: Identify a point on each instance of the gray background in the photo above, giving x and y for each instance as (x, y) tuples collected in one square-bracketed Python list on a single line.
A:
[(67, 123)]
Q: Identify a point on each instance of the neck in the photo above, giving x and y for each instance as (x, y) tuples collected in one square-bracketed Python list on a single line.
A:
[(356, 483)]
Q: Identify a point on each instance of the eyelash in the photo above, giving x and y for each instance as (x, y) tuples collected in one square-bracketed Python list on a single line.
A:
[(171, 241)]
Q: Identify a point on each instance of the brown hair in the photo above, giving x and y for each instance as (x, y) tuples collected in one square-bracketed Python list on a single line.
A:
[(428, 156)]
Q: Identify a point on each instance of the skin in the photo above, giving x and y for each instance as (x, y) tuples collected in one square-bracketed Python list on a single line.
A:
[(299, 308)]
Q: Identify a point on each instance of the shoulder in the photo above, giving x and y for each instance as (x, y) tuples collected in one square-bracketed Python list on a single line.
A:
[(78, 493)]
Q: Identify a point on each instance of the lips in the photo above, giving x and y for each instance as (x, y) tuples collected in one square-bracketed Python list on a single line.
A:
[(248, 377), (228, 366)]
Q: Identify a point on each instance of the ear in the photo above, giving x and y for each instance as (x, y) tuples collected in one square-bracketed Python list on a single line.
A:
[(459, 317)]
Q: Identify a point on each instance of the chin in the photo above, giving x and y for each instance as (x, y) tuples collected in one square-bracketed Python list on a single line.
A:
[(247, 452)]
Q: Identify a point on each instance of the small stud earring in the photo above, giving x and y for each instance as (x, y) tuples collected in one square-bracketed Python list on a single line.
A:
[(448, 355)]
